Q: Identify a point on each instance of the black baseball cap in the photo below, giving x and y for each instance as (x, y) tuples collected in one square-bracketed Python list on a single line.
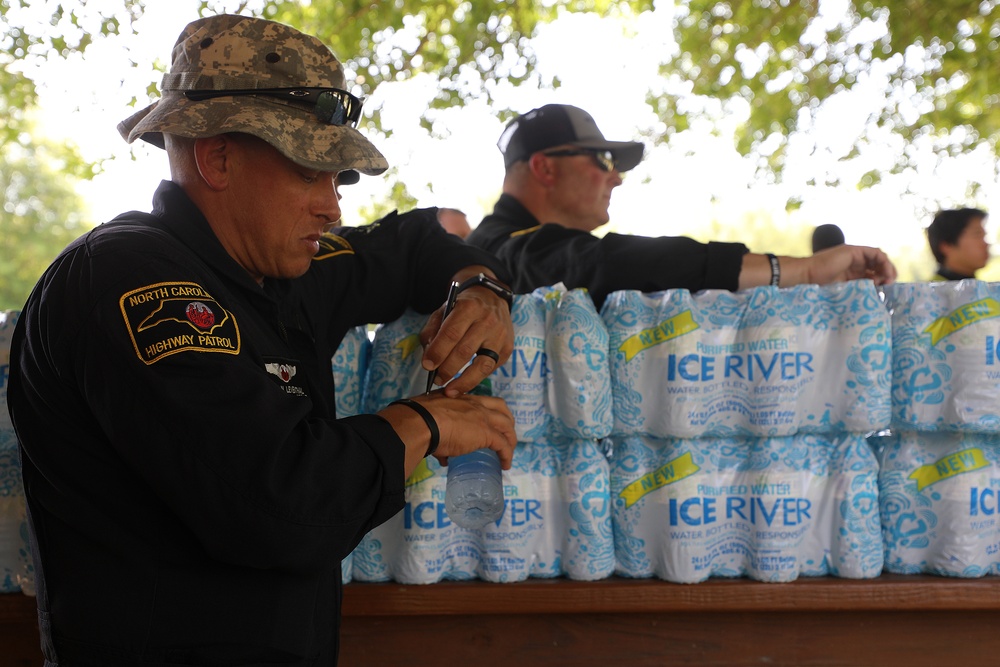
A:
[(561, 125)]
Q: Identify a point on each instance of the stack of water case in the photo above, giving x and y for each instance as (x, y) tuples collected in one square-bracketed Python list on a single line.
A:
[(739, 442), (350, 364), (556, 519), (940, 466)]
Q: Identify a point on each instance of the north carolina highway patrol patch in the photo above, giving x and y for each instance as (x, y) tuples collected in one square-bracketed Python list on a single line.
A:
[(167, 318)]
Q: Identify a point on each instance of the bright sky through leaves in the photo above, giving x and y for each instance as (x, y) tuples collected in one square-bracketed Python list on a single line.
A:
[(697, 185)]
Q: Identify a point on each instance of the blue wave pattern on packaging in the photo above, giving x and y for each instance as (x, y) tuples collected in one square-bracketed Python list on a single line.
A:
[(759, 362), (394, 369), (772, 509), (394, 372), (556, 522), (350, 365), (939, 495), (16, 567), (556, 381), (523, 378), (579, 395), (946, 356)]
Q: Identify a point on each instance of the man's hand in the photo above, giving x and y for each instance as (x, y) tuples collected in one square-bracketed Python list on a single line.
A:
[(465, 423), (850, 262), (478, 325)]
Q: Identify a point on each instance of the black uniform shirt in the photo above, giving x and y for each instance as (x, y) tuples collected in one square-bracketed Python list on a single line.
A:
[(190, 491), (944, 275), (539, 255)]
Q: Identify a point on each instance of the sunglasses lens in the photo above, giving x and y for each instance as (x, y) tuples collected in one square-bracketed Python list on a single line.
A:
[(605, 160), (330, 109), (335, 107)]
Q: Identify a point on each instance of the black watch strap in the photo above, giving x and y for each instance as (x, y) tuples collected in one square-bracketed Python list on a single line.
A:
[(495, 286)]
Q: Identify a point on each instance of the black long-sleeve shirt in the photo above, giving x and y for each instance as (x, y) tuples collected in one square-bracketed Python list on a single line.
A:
[(191, 493), (538, 255)]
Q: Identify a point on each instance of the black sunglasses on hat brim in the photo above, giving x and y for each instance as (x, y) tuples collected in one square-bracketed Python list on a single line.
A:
[(332, 106)]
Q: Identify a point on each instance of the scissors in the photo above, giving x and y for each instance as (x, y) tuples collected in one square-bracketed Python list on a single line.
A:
[(449, 304)]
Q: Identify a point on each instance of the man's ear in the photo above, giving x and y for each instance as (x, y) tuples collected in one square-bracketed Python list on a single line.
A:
[(946, 249), (542, 169), (213, 157)]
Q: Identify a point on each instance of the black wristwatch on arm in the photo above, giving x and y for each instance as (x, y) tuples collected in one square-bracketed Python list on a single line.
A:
[(495, 286)]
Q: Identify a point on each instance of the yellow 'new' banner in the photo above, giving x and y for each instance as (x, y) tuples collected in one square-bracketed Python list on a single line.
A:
[(678, 325), (419, 474), (960, 318), (966, 460), (676, 470), (408, 345)]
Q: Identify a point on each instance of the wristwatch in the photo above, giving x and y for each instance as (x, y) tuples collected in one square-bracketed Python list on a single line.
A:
[(495, 286)]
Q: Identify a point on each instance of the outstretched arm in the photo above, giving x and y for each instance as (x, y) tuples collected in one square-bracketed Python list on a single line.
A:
[(837, 264)]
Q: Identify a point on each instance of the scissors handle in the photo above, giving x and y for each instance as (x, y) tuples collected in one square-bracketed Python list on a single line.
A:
[(449, 304)]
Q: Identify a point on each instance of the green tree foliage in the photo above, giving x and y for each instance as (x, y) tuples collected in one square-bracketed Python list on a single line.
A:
[(39, 31), (399, 199), (469, 45), (40, 211), (41, 214), (771, 63), (784, 58)]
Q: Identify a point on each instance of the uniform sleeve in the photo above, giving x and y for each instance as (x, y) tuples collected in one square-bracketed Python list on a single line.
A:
[(404, 260), (553, 253), (140, 431)]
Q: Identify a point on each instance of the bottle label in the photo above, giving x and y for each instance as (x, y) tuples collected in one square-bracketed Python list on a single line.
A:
[(760, 362), (686, 510), (939, 495)]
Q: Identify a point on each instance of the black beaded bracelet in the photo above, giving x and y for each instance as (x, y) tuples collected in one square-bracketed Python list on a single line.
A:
[(428, 419), (775, 269)]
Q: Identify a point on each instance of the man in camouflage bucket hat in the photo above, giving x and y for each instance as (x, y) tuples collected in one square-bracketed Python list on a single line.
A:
[(237, 53), (191, 491)]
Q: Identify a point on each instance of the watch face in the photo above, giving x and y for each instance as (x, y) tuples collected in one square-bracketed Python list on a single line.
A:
[(501, 291), (483, 280)]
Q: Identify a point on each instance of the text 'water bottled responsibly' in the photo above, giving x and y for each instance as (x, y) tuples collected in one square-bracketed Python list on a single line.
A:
[(474, 492)]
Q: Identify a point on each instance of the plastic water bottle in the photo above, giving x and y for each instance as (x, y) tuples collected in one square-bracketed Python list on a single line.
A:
[(474, 492)]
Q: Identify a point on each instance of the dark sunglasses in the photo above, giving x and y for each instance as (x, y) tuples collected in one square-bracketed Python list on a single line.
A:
[(605, 160), (332, 105)]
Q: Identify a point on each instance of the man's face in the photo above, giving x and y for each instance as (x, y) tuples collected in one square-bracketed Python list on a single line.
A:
[(970, 253), (278, 211), (582, 190)]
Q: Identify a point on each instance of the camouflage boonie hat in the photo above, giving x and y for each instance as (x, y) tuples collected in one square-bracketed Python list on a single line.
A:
[(241, 52)]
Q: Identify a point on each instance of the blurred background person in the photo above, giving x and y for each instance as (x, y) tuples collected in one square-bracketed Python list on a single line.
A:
[(957, 238), (826, 236), (454, 222)]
